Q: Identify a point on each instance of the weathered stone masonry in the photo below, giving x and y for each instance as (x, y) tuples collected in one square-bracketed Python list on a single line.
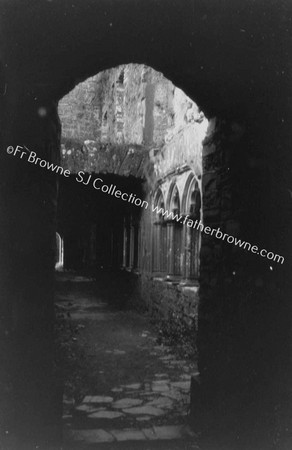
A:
[(132, 121)]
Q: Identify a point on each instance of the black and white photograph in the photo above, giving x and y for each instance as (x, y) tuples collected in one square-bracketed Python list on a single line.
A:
[(145, 224)]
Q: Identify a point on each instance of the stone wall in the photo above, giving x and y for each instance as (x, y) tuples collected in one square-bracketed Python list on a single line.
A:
[(169, 301)]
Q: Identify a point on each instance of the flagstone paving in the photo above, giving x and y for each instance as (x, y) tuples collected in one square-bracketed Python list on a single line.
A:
[(150, 410), (132, 390), (127, 402)]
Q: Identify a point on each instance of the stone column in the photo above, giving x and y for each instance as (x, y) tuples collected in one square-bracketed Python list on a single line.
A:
[(170, 250), (191, 243), (132, 243), (155, 247)]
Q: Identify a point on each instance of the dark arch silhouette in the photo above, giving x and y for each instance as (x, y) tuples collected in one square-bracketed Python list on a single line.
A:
[(220, 67), (232, 59)]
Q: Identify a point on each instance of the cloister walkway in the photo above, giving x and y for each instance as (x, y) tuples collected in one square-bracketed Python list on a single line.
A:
[(122, 389)]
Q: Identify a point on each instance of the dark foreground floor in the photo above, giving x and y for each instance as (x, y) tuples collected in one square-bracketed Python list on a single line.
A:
[(123, 391)]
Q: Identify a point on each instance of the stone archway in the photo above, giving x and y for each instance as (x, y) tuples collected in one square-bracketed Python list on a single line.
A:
[(238, 74)]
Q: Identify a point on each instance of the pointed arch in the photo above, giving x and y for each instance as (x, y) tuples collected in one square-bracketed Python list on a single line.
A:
[(173, 198), (191, 198), (174, 233), (192, 236)]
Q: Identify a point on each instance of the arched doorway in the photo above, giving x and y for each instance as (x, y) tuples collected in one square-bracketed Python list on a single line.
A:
[(129, 130), (235, 73), (59, 259)]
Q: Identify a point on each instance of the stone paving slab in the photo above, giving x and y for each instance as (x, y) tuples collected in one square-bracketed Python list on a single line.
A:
[(97, 399), (144, 410), (161, 402), (128, 435), (88, 408), (160, 386), (127, 403), (159, 382), (105, 415)]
